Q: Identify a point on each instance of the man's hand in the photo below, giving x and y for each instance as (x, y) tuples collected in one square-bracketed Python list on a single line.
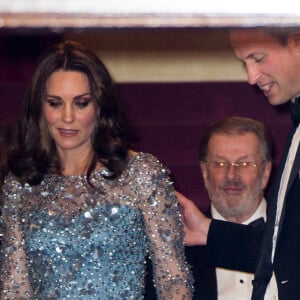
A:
[(196, 224)]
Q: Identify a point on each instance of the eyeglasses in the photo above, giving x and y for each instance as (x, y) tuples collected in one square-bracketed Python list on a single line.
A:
[(242, 166)]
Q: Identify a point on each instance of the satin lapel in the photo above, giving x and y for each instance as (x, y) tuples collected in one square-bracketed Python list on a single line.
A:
[(294, 173), (295, 169), (264, 267), (274, 189)]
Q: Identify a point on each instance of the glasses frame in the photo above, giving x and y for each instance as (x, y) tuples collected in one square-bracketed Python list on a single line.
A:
[(242, 166)]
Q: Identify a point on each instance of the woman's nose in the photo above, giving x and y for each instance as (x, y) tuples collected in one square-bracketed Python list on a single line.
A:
[(68, 114)]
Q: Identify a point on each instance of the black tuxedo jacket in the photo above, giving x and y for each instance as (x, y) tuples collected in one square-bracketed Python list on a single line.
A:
[(205, 284), (204, 273), (204, 261), (287, 252)]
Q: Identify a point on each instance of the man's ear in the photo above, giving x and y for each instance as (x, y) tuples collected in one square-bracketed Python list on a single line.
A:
[(266, 174), (295, 38), (204, 171)]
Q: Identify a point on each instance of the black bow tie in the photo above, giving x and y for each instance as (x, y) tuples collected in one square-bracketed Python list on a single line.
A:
[(258, 222), (295, 111)]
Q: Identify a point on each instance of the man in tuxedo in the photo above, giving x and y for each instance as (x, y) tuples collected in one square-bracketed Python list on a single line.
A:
[(272, 61), (235, 160)]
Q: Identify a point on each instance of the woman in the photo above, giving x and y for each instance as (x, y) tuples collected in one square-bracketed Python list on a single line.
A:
[(81, 211)]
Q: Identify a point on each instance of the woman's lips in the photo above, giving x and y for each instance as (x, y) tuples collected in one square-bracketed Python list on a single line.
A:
[(68, 132)]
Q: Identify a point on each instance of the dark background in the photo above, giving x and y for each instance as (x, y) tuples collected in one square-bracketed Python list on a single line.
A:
[(169, 118)]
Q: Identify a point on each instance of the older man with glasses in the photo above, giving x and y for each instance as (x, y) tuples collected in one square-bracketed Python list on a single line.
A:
[(235, 160)]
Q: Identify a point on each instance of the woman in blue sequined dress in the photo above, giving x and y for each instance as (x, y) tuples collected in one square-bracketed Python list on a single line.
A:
[(81, 210)]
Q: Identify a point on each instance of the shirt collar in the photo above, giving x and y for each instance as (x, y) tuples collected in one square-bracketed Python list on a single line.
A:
[(260, 212)]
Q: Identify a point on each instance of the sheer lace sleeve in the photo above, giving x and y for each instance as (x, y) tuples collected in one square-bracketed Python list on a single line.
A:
[(164, 229), (14, 273)]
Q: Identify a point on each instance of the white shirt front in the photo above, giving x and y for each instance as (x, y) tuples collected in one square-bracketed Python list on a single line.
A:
[(235, 285)]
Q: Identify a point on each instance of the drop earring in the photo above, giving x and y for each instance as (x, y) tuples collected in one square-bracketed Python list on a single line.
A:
[(97, 118)]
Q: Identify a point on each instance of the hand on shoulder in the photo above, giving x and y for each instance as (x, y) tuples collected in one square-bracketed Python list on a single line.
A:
[(196, 224)]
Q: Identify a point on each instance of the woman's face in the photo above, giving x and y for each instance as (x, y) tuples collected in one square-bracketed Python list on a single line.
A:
[(70, 111)]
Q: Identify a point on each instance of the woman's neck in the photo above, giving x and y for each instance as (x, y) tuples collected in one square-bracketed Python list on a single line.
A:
[(76, 164)]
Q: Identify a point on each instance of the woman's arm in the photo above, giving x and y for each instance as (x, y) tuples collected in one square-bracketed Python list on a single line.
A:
[(164, 228), (14, 273)]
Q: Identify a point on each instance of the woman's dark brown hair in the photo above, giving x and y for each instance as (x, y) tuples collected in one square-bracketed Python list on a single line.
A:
[(34, 154)]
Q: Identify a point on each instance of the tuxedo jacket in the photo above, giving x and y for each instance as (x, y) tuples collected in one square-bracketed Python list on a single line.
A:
[(222, 237), (203, 261), (204, 273), (205, 284), (286, 265)]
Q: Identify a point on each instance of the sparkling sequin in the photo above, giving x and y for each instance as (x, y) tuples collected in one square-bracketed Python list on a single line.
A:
[(65, 240)]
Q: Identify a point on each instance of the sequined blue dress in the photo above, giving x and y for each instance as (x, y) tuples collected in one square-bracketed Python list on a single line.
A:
[(66, 240)]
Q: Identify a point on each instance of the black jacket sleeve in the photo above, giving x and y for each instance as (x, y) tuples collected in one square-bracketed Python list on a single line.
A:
[(235, 246)]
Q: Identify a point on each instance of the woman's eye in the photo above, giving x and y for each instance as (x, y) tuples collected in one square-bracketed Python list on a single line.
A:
[(83, 103), (53, 103)]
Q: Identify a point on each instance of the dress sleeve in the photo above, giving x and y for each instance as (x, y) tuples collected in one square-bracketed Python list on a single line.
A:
[(164, 228), (14, 273)]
